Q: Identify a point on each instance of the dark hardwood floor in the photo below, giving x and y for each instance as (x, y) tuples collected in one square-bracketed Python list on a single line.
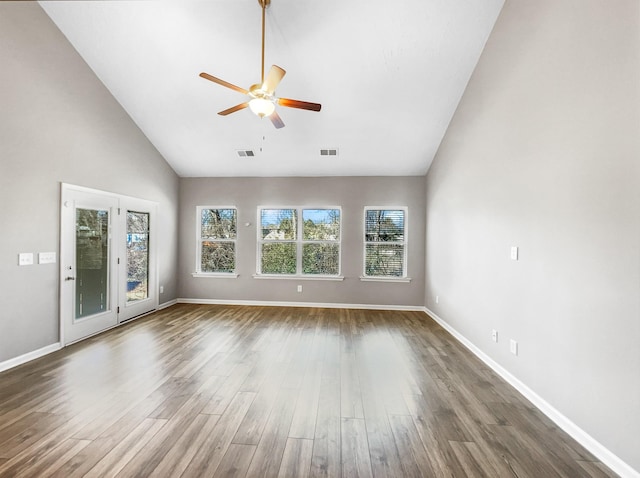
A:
[(274, 391)]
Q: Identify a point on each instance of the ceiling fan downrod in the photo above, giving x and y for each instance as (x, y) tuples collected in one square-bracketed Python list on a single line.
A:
[(264, 4)]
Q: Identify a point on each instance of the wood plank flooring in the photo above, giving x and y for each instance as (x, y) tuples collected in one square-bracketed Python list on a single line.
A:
[(230, 391)]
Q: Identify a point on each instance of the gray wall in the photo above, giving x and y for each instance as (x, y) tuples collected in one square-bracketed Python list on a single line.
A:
[(544, 153), (353, 194), (58, 123)]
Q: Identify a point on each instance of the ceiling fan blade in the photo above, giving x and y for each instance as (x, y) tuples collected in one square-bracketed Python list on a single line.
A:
[(274, 77), (276, 120), (209, 77), (303, 105), (233, 109)]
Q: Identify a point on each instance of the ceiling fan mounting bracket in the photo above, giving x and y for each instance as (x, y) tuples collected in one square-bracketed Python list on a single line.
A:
[(256, 91)]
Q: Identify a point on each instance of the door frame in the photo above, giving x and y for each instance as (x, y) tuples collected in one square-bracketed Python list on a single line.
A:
[(118, 247)]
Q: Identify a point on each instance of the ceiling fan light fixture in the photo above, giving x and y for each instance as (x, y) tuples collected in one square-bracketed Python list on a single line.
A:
[(262, 107)]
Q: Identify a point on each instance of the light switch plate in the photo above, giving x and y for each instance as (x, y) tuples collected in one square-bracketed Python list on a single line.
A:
[(46, 257), (514, 253), (25, 258)]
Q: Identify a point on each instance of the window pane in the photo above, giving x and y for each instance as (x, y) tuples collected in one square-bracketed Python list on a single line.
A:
[(279, 258), (384, 225), (218, 257), (320, 259), (384, 260), (137, 255), (92, 262), (218, 224), (321, 224), (137, 222), (278, 224)]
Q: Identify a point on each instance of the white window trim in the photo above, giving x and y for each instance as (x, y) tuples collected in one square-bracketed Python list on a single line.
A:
[(385, 279), (297, 277), (404, 278), (213, 275), (299, 243)]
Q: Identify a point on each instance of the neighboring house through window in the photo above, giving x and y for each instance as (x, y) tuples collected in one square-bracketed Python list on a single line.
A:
[(299, 241)]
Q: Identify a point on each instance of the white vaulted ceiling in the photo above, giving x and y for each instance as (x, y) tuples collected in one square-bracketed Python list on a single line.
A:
[(389, 76)]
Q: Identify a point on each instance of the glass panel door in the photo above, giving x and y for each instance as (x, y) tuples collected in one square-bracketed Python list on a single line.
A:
[(137, 256), (138, 278), (88, 264)]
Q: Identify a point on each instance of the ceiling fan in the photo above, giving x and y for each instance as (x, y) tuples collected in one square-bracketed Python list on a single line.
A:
[(262, 95)]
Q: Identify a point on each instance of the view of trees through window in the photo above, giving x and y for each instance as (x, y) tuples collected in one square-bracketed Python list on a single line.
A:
[(137, 255), (279, 233), (309, 247), (218, 232), (302, 241), (321, 241), (385, 243)]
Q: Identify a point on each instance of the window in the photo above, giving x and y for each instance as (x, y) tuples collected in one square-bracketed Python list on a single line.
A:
[(217, 233), (137, 255), (385, 245), (299, 241), (278, 241), (321, 241)]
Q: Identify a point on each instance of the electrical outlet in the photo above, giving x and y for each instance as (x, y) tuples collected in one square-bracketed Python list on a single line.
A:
[(513, 346), (494, 335), (299, 288), (437, 299), (162, 289)]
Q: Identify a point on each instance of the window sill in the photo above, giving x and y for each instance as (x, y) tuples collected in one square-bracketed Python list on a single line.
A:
[(297, 277), (213, 275), (404, 280)]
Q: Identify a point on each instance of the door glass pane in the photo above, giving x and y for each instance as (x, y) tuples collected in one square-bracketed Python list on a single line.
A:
[(92, 262), (137, 255)]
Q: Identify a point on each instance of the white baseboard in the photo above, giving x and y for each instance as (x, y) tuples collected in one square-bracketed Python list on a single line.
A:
[(324, 305), (577, 433), (28, 357), (164, 305)]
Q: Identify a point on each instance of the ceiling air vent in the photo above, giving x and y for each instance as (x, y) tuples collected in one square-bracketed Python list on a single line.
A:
[(244, 153), (329, 152)]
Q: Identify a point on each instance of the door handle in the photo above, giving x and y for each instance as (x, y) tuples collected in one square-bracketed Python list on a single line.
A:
[(69, 278)]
